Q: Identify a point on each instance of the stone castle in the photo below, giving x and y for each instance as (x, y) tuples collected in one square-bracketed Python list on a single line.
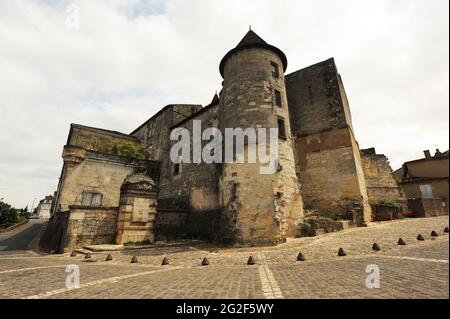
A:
[(122, 188)]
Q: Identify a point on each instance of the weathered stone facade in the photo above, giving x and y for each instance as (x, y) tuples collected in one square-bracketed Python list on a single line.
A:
[(272, 211), (385, 195), (44, 208), (137, 210), (137, 193), (327, 155)]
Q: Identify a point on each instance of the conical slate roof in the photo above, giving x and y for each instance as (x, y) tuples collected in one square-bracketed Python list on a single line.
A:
[(252, 40), (249, 39)]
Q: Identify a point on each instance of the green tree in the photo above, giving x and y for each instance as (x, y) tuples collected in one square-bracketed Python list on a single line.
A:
[(10, 216)]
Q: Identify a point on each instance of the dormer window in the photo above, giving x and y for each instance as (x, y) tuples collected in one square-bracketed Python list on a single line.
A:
[(275, 70)]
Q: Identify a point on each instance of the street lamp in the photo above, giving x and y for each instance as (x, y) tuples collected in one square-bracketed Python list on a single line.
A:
[(32, 206)]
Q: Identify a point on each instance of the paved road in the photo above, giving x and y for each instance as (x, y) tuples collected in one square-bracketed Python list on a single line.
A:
[(20, 238), (420, 269)]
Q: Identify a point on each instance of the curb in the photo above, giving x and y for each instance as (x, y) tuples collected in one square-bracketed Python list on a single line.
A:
[(5, 230)]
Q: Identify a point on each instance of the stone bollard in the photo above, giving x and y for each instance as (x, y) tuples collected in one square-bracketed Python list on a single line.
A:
[(73, 253), (87, 256), (420, 237), (134, 260), (300, 257), (434, 234), (401, 242), (375, 247), (341, 252), (205, 262), (165, 261), (251, 261), (109, 257)]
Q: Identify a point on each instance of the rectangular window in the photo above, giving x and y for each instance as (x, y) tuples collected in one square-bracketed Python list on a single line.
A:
[(278, 98), (176, 169), (275, 70), (281, 128), (92, 199), (425, 190)]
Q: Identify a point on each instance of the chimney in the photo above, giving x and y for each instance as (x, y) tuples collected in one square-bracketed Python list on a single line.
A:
[(438, 153), (427, 154)]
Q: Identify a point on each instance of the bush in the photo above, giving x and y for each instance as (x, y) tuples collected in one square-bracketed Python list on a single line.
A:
[(124, 149), (130, 150)]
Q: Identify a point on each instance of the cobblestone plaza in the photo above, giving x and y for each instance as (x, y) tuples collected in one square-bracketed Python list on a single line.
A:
[(418, 269)]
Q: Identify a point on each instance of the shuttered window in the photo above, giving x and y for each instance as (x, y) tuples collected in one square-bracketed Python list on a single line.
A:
[(426, 191)]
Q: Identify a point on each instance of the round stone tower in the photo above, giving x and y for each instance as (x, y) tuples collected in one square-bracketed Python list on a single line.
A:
[(259, 208)]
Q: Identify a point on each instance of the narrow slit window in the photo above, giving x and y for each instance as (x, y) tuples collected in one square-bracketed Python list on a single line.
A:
[(176, 169), (278, 98), (310, 93), (281, 128), (275, 70)]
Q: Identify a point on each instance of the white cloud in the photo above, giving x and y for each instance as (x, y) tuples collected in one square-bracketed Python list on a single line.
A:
[(130, 58)]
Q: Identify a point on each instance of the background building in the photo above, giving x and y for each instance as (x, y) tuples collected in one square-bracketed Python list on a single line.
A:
[(44, 208), (425, 184)]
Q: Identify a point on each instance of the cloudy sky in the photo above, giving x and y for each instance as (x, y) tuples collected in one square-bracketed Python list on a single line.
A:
[(121, 61)]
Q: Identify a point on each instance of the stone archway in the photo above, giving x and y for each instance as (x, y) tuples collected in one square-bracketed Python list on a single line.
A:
[(137, 209)]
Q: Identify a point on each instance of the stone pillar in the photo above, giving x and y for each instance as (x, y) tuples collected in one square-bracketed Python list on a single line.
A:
[(137, 210)]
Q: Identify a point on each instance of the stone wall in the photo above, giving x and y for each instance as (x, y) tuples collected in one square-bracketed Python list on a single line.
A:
[(326, 153), (199, 225), (315, 101), (196, 186), (327, 170), (154, 133), (427, 207), (53, 237), (381, 185), (386, 212), (90, 226), (100, 140)]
